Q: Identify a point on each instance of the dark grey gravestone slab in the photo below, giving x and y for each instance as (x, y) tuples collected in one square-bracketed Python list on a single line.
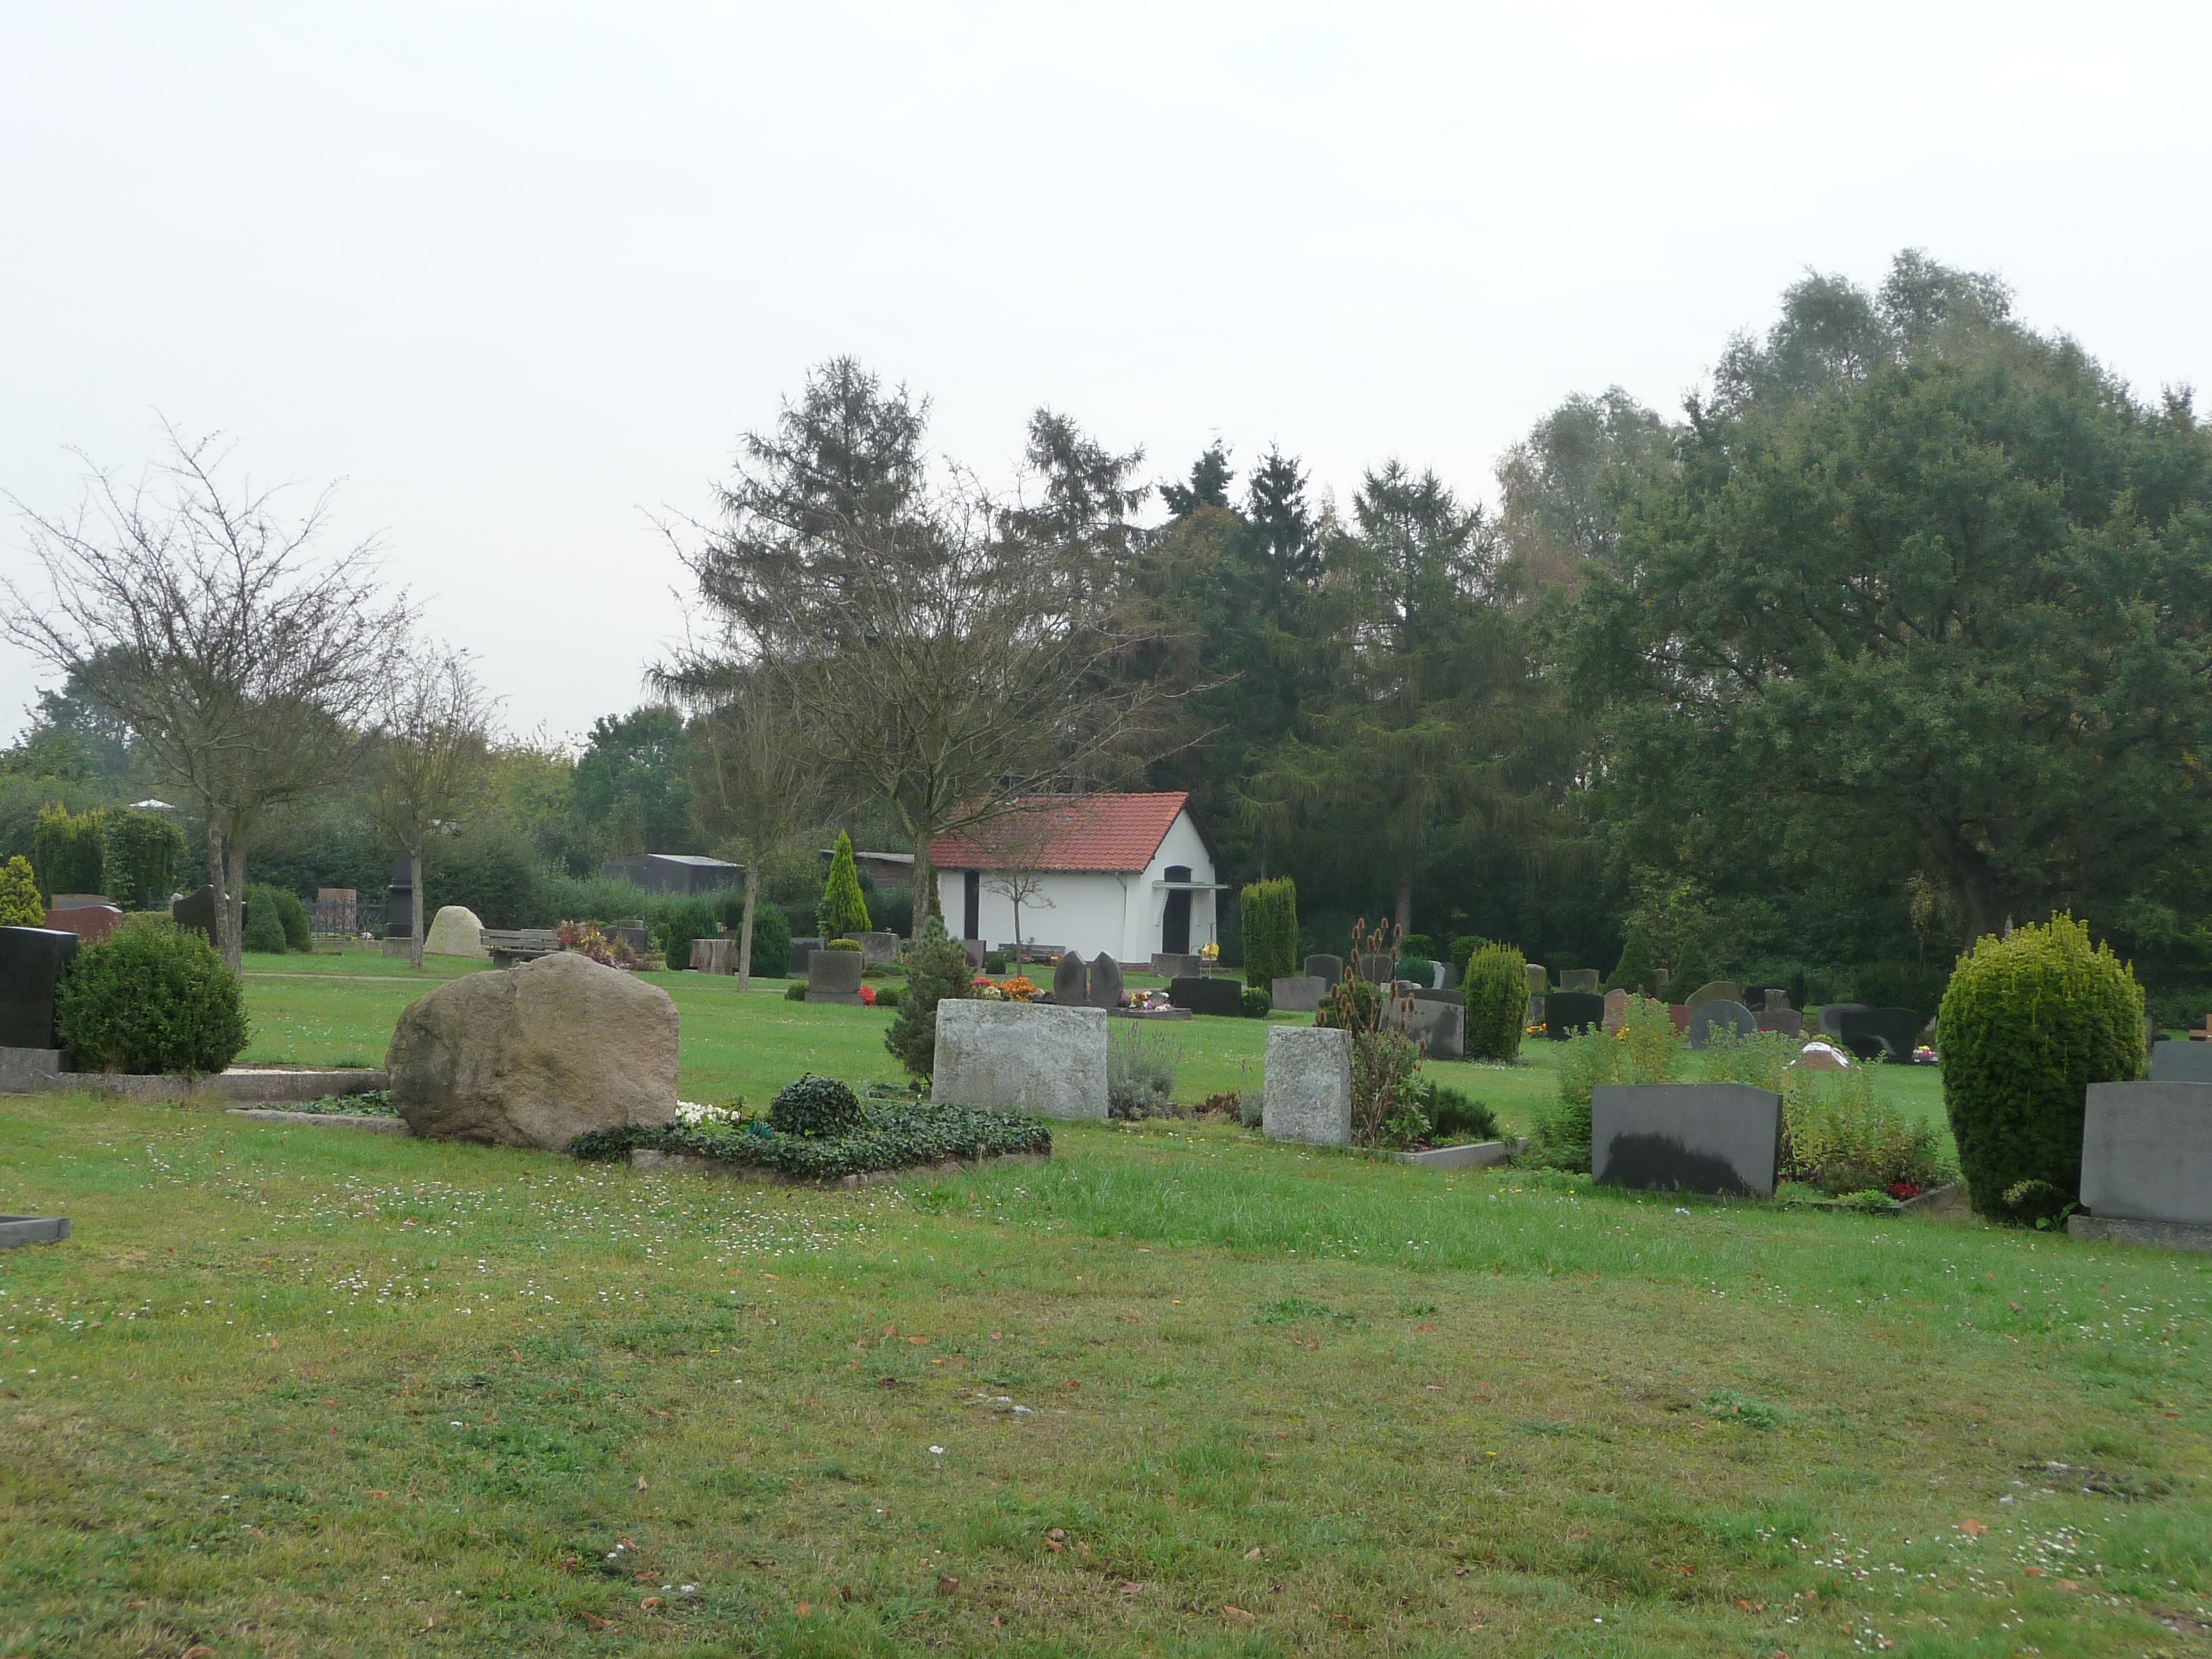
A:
[(2181, 1062), (801, 949), (1881, 1033), (1071, 981), (1788, 1021), (17, 1229), (1330, 968), (197, 912), (1378, 968), (1439, 1027), (2146, 1152), (1105, 987), (1720, 1138), (1566, 1012), (975, 951), (1582, 979), (1832, 1016), (1301, 993), (1722, 1013), (30, 961), (834, 977), (1208, 996)]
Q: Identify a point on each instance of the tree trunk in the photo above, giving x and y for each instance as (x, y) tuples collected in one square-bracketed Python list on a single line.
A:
[(414, 906), (218, 871), (925, 887), (232, 911), (745, 926), (1978, 902), (1404, 901)]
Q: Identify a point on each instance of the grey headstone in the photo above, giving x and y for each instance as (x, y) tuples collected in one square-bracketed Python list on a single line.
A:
[(1105, 990), (1021, 1056), (1616, 1009), (976, 949), (2147, 1152), (31, 960), (834, 977), (1538, 984), (27, 1070), (1705, 1016), (1566, 1012), (1208, 996), (1788, 1021), (1301, 993), (1440, 1026), (2181, 1062), (1309, 1086), (1889, 1033), (1378, 967), (1326, 968), (1168, 965), (1534, 1013), (1831, 1016), (1686, 1137), (1582, 979), (1765, 999), (1071, 981), (879, 946), (1717, 990)]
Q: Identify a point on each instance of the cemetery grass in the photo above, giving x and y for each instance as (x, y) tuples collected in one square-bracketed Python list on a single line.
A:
[(304, 1390)]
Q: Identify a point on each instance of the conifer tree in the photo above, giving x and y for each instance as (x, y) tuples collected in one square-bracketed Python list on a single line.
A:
[(844, 908)]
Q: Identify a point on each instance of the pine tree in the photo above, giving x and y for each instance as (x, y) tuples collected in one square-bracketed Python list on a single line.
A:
[(937, 971), (844, 908)]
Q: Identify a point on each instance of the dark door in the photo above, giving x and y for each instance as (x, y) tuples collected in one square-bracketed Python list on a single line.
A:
[(1175, 926), (971, 905)]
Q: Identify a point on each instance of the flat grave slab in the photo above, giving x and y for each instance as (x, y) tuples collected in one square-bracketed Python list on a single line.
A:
[(2157, 1235), (1475, 1155), (1717, 1138)]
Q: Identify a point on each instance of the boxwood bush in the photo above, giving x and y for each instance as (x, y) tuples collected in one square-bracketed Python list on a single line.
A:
[(1497, 1002), (2028, 1023), (152, 997), (890, 1135), (814, 1106)]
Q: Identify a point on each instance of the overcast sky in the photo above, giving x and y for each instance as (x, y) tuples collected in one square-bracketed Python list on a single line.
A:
[(519, 276)]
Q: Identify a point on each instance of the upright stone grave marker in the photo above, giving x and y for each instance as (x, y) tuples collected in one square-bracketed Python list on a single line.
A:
[(1718, 990), (1582, 979), (1439, 1026), (1720, 1138), (975, 951), (1616, 1010), (2147, 1163), (1169, 964), (1788, 1021), (91, 923), (1566, 1012), (1831, 1016), (31, 960), (1308, 1085), (834, 977), (878, 947), (1886, 1033), (196, 911), (2181, 1062), (1706, 1018), (714, 956), (1765, 999), (1071, 981), (1325, 968), (455, 932), (1022, 1057), (1301, 993), (801, 951), (1105, 987), (1221, 996), (1378, 967)]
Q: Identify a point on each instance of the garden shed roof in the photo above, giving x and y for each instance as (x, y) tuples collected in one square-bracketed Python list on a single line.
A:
[(1115, 832)]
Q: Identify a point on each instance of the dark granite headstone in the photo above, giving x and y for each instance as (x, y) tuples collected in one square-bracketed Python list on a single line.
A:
[(1832, 1016), (633, 934), (196, 911), (1378, 968), (976, 949), (1890, 1034), (1723, 1015), (1071, 980), (1105, 987), (1720, 1138), (31, 963), (1326, 968), (399, 901), (1566, 1012), (1208, 996), (2181, 1062), (1788, 1021), (800, 949)]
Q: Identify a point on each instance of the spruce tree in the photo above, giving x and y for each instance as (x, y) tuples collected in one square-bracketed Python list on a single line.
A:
[(844, 910), (937, 970)]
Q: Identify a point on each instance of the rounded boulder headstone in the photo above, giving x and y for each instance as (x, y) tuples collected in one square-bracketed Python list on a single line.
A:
[(455, 932), (1105, 990), (1718, 990), (1706, 1018), (1831, 1016), (1330, 968), (1071, 980)]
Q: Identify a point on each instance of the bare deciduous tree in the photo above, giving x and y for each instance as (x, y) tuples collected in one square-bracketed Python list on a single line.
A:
[(433, 746), (204, 621)]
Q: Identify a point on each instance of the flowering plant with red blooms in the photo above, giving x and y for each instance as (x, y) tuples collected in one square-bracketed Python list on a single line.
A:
[(1902, 1190), (868, 995)]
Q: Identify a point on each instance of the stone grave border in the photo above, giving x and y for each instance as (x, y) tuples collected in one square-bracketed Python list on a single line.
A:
[(642, 1157), (20, 1229)]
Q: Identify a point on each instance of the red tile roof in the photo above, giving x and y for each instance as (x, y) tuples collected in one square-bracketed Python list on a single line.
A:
[(1064, 832)]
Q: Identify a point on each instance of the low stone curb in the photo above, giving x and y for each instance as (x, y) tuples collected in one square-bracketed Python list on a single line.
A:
[(248, 1083), (375, 1125), (17, 1229), (1480, 1153), (2157, 1235), (643, 1158)]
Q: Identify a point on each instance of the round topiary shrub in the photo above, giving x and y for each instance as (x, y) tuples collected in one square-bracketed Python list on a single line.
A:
[(815, 1106), (2027, 1023), (264, 921), (152, 998)]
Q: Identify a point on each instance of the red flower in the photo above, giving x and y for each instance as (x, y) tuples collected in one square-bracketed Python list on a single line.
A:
[(868, 995)]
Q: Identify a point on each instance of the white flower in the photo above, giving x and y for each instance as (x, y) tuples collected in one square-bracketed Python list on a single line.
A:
[(692, 1112), (937, 1451)]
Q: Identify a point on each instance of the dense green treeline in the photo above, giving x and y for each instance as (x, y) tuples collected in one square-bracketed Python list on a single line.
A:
[(1894, 633)]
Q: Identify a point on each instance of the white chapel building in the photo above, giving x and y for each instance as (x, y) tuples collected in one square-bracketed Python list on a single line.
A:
[(1125, 875)]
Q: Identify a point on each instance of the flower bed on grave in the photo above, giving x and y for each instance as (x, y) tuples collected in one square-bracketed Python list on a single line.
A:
[(867, 1137)]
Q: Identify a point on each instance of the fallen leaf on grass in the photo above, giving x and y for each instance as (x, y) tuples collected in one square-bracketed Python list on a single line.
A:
[(2066, 1584), (803, 1609), (1133, 1587), (1973, 1528), (641, 1487), (1252, 1555), (644, 1576), (593, 1620), (918, 1341), (1238, 1615), (946, 1585), (202, 1650), (656, 1412), (650, 1604)]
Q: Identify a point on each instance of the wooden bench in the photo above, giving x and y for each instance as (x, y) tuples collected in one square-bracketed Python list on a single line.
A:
[(509, 945)]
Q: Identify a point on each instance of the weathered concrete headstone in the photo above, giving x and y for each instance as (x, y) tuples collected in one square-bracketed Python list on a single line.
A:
[(1721, 1138), (197, 912), (535, 1055), (1300, 994), (1718, 990), (1720, 1014), (1440, 1027), (834, 977), (1326, 968), (714, 956), (1071, 981), (1208, 996), (1105, 987), (1378, 967), (1679, 1013), (91, 923), (1788, 1021), (31, 960), (455, 932), (975, 951), (1025, 1057), (1169, 964), (1582, 979), (1616, 1010), (1532, 1015), (1831, 1016), (1538, 984), (1566, 1012), (1890, 1034), (1765, 999), (801, 949), (2181, 1062), (878, 947), (1308, 1080), (2147, 1152)]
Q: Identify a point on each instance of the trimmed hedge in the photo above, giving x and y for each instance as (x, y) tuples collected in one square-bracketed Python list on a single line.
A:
[(1497, 996), (2028, 1023), (68, 850), (151, 997), (1269, 913), (890, 1135)]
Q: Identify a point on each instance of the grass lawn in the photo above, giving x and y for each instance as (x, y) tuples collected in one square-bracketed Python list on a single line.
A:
[(294, 1391)]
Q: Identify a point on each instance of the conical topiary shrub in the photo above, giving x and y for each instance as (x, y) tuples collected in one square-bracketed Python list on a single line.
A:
[(844, 909)]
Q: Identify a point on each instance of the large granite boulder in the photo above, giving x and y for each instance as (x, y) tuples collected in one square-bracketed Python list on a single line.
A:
[(535, 1055), (455, 932)]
